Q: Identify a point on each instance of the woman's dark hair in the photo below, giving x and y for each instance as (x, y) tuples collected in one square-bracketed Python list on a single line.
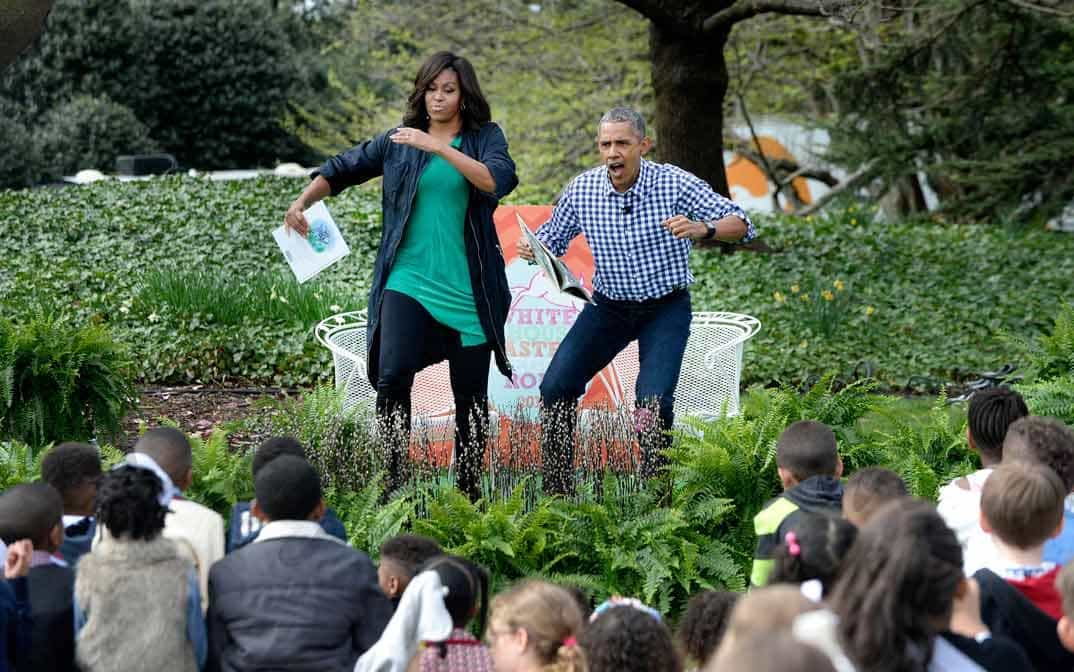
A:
[(128, 503), (703, 625), (897, 587), (821, 543), (473, 106), (467, 590), (625, 639)]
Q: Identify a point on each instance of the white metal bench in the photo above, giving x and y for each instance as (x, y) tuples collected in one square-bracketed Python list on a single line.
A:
[(708, 384)]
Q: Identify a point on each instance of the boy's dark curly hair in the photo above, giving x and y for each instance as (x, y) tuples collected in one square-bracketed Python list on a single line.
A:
[(128, 504), (274, 447), (625, 639), (704, 623), (409, 552), (1044, 441), (69, 465)]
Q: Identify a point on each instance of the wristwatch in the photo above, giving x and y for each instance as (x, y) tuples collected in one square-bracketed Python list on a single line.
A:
[(711, 233)]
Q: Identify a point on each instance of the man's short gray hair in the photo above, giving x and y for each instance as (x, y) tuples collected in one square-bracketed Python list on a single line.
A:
[(618, 115)]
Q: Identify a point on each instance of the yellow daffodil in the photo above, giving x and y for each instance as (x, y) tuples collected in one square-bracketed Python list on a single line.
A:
[(803, 345), (778, 296), (804, 297), (869, 310), (795, 289), (827, 294), (839, 286)]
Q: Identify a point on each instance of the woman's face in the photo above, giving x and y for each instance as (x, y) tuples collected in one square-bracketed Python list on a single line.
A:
[(443, 98)]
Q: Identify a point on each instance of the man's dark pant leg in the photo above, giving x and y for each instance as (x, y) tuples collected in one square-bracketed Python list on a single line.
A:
[(597, 336), (661, 345)]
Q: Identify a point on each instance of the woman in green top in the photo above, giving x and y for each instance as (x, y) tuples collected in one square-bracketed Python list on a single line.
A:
[(439, 287)]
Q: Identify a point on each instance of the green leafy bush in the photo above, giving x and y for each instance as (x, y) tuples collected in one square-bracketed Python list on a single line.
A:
[(90, 132), (64, 381), (209, 78), (22, 166)]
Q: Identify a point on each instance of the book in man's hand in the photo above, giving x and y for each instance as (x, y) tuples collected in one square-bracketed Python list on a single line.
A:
[(554, 269)]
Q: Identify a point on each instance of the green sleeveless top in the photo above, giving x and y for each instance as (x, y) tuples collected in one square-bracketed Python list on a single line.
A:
[(430, 264)]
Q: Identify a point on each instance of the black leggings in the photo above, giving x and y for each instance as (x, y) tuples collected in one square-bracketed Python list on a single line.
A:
[(409, 340)]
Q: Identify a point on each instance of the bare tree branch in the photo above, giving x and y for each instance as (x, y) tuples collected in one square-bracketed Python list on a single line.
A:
[(1038, 7), (655, 11), (745, 9), (851, 182)]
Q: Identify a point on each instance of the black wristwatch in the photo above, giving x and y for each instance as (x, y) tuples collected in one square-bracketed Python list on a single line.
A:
[(711, 231)]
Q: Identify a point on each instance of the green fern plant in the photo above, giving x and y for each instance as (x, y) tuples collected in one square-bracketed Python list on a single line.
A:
[(62, 381), (927, 451), (222, 477), (369, 522), (1051, 355), (1053, 398), (19, 463)]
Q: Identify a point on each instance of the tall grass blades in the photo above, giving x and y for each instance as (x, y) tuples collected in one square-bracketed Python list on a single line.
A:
[(62, 381), (219, 297)]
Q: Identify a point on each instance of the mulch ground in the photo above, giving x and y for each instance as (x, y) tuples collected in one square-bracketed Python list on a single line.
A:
[(196, 408)]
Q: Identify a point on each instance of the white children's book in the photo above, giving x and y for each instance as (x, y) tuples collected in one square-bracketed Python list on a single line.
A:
[(554, 269), (322, 246)]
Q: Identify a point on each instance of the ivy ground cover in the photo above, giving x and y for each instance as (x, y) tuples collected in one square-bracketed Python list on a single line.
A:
[(185, 271)]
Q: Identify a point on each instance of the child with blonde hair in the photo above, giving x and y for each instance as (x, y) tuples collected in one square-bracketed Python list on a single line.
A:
[(534, 627)]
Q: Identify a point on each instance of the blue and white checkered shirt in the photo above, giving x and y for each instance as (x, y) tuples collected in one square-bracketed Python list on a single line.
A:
[(635, 257)]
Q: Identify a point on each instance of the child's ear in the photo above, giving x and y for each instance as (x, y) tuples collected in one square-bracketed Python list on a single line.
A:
[(257, 512), (318, 512), (1065, 629), (55, 537), (188, 480), (983, 521), (786, 478), (838, 466)]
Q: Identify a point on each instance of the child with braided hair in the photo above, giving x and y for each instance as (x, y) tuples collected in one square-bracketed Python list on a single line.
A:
[(137, 606), (813, 553)]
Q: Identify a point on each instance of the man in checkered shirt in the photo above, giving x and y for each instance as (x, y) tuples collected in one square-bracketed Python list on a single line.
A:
[(640, 219)]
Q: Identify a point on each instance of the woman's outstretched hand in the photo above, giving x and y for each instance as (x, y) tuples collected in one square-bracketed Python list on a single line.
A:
[(416, 138), (295, 218)]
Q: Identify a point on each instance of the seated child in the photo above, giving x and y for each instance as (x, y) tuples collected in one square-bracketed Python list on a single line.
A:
[(809, 468), (1051, 443), (295, 578), (196, 528), (34, 511), (535, 624), (990, 413), (243, 526), (772, 652), (467, 587), (74, 469), (1021, 508), (812, 554), (867, 490), (622, 637), (400, 558), (897, 593), (136, 594), (15, 619), (702, 626)]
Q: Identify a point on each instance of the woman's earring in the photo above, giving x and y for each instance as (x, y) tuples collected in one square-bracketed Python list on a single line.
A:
[(463, 107)]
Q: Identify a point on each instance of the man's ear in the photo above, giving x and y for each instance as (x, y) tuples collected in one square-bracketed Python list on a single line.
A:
[(646, 145), (318, 512), (838, 466), (257, 512)]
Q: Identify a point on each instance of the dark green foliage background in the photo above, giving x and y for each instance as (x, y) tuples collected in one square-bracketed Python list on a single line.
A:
[(944, 298)]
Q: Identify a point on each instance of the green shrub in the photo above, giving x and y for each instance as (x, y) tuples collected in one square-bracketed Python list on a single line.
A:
[(209, 78), (22, 164), (64, 382), (90, 132)]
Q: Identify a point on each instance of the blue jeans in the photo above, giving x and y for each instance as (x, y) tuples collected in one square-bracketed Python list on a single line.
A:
[(661, 327)]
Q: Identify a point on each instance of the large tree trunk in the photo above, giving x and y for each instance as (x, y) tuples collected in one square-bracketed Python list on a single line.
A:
[(689, 82)]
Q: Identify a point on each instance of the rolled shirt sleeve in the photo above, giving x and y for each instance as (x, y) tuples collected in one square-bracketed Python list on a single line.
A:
[(562, 227), (702, 203)]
